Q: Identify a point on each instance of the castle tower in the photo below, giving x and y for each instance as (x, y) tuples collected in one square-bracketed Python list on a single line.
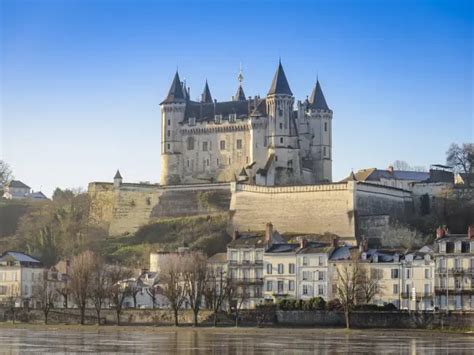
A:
[(240, 96), (282, 135), (172, 113), (206, 94), (321, 128)]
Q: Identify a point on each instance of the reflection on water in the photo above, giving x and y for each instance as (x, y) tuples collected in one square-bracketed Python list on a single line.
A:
[(233, 341)]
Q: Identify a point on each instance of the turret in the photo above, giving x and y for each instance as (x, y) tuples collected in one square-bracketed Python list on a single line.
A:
[(321, 141), (117, 179), (172, 114), (240, 95), (206, 94)]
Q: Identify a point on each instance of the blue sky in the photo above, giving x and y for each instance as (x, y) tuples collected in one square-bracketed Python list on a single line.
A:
[(81, 80)]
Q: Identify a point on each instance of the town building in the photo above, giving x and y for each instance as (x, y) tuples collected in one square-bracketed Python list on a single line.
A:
[(454, 270), (16, 190), (19, 275), (264, 141)]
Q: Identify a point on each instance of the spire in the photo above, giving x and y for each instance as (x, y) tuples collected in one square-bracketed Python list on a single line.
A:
[(280, 84), (206, 94), (176, 93), (317, 100), (352, 177), (240, 95), (117, 175)]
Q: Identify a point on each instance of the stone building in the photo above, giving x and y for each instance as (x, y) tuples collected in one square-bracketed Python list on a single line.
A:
[(262, 140)]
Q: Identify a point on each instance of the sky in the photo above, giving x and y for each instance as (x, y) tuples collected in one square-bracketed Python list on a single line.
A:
[(81, 80)]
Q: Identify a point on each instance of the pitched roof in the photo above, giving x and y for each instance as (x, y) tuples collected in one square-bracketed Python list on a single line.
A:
[(248, 241), (243, 172), (280, 85), (17, 183), (117, 175), (38, 195), (317, 100), (218, 258), (176, 92), (21, 257), (240, 96), (373, 174), (283, 248), (206, 94)]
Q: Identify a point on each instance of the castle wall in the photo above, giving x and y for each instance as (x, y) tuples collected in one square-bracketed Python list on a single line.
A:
[(314, 209), (125, 209)]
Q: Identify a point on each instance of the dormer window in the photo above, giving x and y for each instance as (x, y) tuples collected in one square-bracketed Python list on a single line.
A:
[(192, 121), (232, 117), (218, 118), (457, 247), (442, 247)]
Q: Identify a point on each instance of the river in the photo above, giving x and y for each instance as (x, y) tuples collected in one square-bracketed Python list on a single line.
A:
[(230, 341)]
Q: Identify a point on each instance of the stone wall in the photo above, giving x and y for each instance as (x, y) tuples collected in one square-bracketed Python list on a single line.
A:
[(124, 209), (406, 320), (297, 209)]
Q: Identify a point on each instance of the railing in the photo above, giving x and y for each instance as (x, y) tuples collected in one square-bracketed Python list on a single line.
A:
[(418, 295), (245, 262), (247, 280), (455, 290)]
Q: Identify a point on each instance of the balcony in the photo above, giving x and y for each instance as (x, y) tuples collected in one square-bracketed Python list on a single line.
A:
[(248, 280), (454, 290), (419, 295), (243, 263)]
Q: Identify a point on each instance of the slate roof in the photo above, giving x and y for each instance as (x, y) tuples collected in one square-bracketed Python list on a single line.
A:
[(176, 92), (218, 258), (17, 184), (317, 248), (117, 175), (203, 111), (206, 94), (317, 100), (373, 174), (283, 248), (247, 241), (280, 84), (38, 196), (20, 257), (240, 96)]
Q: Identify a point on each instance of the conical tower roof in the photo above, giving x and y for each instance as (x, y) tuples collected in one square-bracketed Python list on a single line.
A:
[(280, 84), (176, 93), (117, 175), (206, 94), (240, 96), (317, 100)]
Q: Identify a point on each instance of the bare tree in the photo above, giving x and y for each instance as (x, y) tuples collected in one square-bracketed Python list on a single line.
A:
[(11, 305), (134, 289), (401, 165), (237, 295), (81, 280), (118, 289), (369, 285), (153, 292), (173, 284), (5, 173), (348, 287), (215, 291), (65, 291), (194, 275), (461, 158), (45, 293), (399, 235), (100, 286)]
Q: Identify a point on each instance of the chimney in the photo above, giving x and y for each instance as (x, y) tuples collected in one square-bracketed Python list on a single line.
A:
[(364, 245), (470, 232), (335, 242), (268, 232), (390, 169), (303, 243), (236, 235), (440, 233)]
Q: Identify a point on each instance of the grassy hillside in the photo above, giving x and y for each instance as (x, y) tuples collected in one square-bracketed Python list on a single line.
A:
[(203, 233), (10, 213)]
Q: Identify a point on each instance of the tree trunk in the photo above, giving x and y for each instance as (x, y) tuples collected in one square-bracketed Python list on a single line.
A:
[(46, 317), (118, 316), (346, 313), (215, 318), (236, 319), (98, 316), (83, 311), (196, 317), (175, 317)]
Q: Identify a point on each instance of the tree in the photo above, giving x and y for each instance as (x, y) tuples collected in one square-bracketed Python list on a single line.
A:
[(369, 285), (134, 289), (100, 286), (81, 280), (118, 289), (461, 158), (45, 293), (237, 295), (5, 173), (401, 165), (153, 291), (11, 305), (65, 291), (348, 287), (215, 291), (399, 235), (194, 275), (173, 284)]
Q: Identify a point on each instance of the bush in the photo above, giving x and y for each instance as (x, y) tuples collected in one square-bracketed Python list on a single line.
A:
[(389, 307), (334, 305), (317, 303)]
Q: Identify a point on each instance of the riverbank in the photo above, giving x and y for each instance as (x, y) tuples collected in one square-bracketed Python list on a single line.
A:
[(224, 329)]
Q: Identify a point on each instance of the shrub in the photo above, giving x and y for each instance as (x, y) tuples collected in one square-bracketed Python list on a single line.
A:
[(334, 305)]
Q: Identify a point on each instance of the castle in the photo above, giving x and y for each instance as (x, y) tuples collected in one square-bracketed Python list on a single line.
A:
[(262, 141)]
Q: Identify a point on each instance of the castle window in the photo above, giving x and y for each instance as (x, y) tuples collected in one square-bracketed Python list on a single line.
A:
[(207, 161), (217, 161), (247, 161), (218, 118), (276, 158), (280, 112), (190, 143), (324, 151), (290, 164), (281, 140), (325, 126), (239, 143), (222, 145), (204, 146), (168, 133), (169, 122), (169, 146), (232, 117), (192, 121), (281, 125), (188, 163)]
